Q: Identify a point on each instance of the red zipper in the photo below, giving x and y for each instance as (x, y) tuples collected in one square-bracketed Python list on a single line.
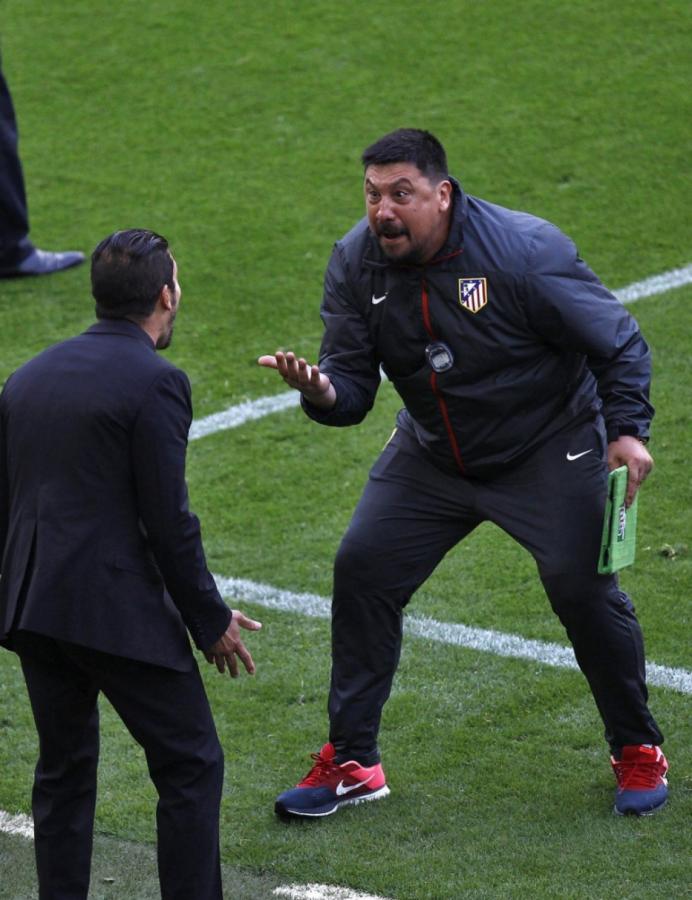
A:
[(442, 403)]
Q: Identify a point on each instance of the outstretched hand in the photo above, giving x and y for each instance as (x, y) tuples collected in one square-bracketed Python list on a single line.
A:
[(314, 385), (628, 451), (229, 646)]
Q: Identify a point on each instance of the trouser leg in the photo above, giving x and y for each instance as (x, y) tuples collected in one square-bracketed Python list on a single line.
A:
[(601, 624), (64, 704), (554, 506), (168, 714), (14, 218), (409, 516)]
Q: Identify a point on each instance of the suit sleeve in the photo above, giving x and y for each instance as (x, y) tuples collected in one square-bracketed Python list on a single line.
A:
[(159, 445), (571, 309), (347, 354)]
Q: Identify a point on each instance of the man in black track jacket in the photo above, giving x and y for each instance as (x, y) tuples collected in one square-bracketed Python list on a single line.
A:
[(524, 381)]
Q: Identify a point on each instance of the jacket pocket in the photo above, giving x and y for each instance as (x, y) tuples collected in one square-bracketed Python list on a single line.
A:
[(147, 568)]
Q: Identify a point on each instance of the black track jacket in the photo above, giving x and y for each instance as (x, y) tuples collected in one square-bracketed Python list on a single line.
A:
[(538, 342)]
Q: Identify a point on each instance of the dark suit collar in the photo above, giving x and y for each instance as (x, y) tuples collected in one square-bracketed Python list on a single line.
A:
[(121, 326)]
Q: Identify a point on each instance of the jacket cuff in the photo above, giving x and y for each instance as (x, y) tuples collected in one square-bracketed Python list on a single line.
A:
[(208, 635), (615, 431)]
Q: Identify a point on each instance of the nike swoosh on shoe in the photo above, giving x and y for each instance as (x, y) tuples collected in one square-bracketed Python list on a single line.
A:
[(342, 789)]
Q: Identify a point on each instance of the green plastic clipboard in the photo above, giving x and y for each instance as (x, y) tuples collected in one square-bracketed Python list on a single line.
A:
[(618, 542)]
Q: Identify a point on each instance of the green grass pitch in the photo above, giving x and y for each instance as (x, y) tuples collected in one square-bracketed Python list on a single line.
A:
[(235, 129)]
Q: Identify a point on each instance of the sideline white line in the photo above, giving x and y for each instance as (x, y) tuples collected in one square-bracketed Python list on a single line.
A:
[(243, 412), (485, 640), (19, 824), (264, 406), (657, 284), (321, 892)]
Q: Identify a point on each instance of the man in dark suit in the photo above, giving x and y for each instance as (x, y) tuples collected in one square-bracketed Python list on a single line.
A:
[(18, 256), (103, 574)]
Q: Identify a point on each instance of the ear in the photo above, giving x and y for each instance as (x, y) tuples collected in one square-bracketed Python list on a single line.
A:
[(444, 193), (166, 298)]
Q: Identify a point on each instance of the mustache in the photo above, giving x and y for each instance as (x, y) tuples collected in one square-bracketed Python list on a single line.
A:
[(389, 230)]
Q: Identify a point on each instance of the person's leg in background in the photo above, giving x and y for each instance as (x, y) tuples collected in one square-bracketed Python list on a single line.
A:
[(14, 216), (18, 256)]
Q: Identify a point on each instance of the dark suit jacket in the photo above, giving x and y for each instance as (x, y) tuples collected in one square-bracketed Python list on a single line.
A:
[(98, 545)]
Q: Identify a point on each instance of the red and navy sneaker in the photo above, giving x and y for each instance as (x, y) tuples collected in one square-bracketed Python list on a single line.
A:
[(641, 775), (329, 785)]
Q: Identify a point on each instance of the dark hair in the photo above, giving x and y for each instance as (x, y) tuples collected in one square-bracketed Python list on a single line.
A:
[(410, 145), (128, 270)]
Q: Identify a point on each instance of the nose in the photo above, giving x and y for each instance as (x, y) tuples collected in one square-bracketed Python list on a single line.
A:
[(384, 212)]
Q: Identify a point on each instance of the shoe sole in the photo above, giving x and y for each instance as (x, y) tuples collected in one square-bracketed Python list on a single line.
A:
[(637, 814), (284, 812)]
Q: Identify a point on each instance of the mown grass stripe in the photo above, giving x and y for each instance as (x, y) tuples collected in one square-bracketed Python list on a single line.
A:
[(249, 410), (485, 640)]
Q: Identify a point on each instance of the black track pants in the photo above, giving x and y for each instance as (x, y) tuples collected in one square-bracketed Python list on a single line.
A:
[(411, 514)]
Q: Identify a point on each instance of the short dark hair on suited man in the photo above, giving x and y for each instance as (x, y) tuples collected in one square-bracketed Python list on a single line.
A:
[(128, 270), (409, 145)]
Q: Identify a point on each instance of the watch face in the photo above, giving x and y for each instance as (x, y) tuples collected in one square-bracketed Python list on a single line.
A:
[(439, 356)]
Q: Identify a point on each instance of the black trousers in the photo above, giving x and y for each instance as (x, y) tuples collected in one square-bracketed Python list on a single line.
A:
[(168, 714), (411, 514), (14, 216)]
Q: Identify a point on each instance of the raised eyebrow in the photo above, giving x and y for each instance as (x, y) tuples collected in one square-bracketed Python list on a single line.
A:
[(399, 183)]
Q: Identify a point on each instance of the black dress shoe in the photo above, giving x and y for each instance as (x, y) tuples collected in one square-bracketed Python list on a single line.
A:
[(42, 262)]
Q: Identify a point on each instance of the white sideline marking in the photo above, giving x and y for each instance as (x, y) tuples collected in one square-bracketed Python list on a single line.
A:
[(19, 824), (485, 640), (321, 892), (657, 284), (263, 406), (243, 412)]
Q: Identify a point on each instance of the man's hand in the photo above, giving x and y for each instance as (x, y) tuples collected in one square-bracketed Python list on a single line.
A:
[(297, 373), (229, 645), (628, 451)]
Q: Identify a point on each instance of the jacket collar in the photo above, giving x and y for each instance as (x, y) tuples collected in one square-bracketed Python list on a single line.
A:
[(121, 326), (460, 211)]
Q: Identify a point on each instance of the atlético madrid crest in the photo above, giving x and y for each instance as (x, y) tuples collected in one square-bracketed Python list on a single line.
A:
[(473, 293)]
